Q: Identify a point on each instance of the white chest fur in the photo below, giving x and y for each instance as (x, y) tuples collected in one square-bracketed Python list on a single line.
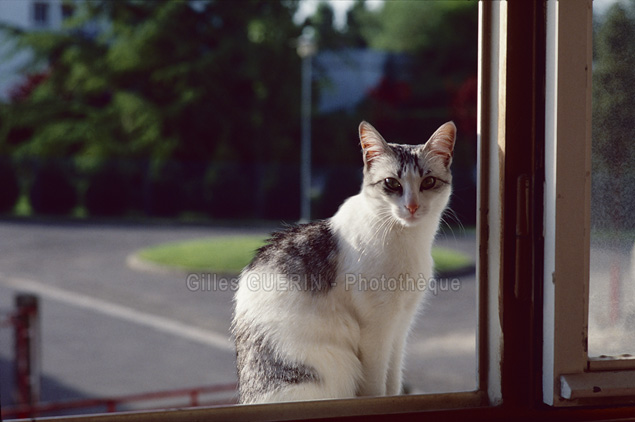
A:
[(384, 269)]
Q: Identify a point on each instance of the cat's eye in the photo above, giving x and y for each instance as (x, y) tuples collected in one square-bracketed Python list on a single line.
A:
[(392, 184), (428, 183)]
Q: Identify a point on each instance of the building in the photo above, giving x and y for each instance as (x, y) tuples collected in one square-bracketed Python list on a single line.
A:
[(30, 15), (346, 77)]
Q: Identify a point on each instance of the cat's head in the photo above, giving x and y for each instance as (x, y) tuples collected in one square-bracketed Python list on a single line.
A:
[(408, 182)]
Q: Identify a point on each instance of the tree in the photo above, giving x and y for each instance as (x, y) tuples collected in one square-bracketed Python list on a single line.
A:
[(163, 80), (442, 26), (329, 37), (357, 18), (431, 78), (433, 67)]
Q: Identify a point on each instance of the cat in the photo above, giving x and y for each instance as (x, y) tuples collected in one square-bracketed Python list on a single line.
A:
[(324, 308)]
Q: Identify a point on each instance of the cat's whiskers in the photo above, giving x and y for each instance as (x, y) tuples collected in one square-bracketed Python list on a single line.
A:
[(389, 227), (452, 216), (383, 220)]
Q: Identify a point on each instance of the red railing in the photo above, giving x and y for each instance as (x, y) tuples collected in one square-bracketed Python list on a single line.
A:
[(192, 396), (27, 343), (25, 321)]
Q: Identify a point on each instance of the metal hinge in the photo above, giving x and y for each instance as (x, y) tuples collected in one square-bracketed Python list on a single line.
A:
[(523, 238)]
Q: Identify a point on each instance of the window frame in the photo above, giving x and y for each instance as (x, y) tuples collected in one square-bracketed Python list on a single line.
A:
[(41, 13), (570, 377)]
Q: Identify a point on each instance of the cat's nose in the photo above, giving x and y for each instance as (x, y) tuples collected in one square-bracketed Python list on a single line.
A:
[(412, 208)]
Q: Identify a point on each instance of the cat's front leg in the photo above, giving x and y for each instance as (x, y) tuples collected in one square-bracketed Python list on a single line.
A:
[(394, 380), (395, 370), (375, 353)]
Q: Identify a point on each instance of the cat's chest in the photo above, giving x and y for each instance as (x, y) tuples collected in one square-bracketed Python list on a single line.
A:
[(387, 279), (397, 259), (385, 288)]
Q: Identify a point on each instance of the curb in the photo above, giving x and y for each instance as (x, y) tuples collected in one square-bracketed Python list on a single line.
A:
[(135, 262)]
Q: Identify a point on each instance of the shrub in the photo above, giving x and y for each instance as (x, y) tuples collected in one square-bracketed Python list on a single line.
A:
[(9, 187), (108, 192), (164, 192), (231, 191), (282, 194), (53, 191), (340, 184)]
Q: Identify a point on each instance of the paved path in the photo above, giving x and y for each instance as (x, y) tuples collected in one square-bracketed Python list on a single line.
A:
[(109, 330), (612, 298)]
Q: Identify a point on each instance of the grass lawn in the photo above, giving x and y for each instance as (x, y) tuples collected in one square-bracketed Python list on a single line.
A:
[(228, 255), (225, 255)]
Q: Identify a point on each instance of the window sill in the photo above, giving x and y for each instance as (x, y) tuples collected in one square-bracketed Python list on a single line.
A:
[(595, 385), (360, 407)]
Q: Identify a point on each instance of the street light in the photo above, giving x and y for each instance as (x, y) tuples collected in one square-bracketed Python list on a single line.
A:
[(307, 48)]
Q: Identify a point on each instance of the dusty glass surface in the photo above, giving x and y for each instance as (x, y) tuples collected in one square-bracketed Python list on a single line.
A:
[(612, 257)]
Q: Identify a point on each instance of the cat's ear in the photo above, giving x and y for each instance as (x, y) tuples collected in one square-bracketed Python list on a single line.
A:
[(441, 143), (373, 144)]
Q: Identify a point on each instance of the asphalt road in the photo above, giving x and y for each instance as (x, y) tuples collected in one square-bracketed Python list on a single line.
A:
[(111, 330)]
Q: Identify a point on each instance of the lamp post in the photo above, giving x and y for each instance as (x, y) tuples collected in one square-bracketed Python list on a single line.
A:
[(307, 48)]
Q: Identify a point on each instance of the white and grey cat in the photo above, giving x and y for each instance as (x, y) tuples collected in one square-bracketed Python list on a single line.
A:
[(324, 308)]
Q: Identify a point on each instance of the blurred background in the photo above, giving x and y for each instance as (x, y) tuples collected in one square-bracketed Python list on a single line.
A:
[(125, 124), (612, 255), (192, 109)]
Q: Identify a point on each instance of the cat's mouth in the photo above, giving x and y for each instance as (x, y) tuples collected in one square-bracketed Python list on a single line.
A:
[(410, 220)]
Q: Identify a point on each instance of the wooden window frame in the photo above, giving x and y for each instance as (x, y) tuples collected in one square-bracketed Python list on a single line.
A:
[(570, 377)]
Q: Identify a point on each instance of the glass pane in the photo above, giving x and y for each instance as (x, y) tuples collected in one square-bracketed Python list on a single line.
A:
[(180, 123), (612, 271)]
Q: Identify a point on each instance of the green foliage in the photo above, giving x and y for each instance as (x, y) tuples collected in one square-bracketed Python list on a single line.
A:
[(340, 184), (53, 192), (613, 108), (162, 79), (614, 91), (108, 192), (415, 26), (328, 37), (230, 191), (282, 193), (9, 186), (164, 194), (440, 36), (216, 82), (358, 18)]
